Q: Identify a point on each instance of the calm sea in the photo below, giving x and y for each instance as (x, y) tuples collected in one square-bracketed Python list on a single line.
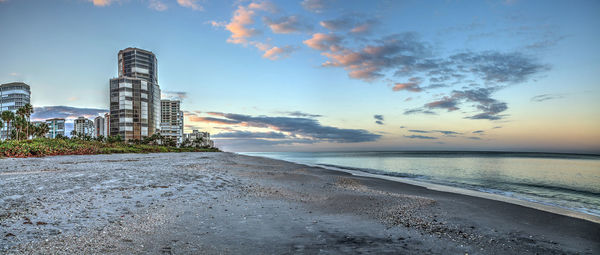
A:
[(563, 180)]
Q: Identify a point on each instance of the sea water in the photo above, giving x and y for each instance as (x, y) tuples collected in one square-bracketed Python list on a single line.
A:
[(562, 180)]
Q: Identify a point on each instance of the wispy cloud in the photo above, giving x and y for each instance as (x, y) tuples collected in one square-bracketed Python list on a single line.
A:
[(101, 2), (287, 25), (546, 97), (420, 137), (157, 5), (248, 134), (378, 119), (302, 114), (192, 4), (316, 6), (174, 95)]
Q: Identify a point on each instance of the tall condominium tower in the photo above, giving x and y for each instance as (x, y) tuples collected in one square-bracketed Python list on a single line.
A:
[(99, 126), (12, 97), (171, 120), (135, 96)]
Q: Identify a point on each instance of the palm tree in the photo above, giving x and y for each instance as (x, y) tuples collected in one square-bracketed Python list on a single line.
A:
[(28, 109), (19, 122), (7, 116), (41, 130)]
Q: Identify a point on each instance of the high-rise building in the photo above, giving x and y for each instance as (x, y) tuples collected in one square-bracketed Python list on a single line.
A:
[(106, 124), (84, 127), (135, 96), (99, 126), (55, 127), (171, 120), (12, 97)]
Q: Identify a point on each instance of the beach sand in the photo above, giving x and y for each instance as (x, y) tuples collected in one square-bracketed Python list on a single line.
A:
[(224, 203)]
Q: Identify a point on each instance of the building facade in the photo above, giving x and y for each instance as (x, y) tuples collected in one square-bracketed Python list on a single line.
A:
[(99, 126), (171, 120), (12, 97), (84, 127), (55, 127), (106, 124), (135, 96), (197, 138)]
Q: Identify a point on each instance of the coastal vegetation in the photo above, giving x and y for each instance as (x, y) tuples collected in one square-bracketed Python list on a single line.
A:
[(40, 147), (26, 139)]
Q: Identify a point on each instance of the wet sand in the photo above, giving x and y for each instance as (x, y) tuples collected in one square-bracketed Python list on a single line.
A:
[(222, 203)]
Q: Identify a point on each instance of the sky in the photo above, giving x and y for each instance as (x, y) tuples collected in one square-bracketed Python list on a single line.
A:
[(328, 75)]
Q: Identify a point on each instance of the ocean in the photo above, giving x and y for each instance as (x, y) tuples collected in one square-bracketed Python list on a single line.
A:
[(567, 181)]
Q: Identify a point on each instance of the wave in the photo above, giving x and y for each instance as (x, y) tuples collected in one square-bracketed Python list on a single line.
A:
[(375, 171)]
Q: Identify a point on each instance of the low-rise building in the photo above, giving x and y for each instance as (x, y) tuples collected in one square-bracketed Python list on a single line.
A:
[(197, 138)]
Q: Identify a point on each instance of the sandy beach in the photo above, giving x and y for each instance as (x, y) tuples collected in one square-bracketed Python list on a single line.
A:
[(224, 203)]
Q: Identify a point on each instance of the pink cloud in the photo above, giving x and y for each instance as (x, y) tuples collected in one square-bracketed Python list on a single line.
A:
[(322, 42)]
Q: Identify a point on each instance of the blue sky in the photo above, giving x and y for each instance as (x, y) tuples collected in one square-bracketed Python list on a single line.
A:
[(328, 74)]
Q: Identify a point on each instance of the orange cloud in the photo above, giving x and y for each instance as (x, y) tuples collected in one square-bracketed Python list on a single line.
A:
[(322, 42), (101, 2)]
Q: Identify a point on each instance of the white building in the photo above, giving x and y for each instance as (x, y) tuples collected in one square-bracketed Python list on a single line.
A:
[(84, 127), (99, 127), (55, 127), (171, 124), (12, 97), (197, 138)]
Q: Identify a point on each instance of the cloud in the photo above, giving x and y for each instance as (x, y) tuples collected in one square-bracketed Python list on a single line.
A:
[(212, 120), (378, 119), (478, 132), (192, 4), (304, 128), (370, 62), (157, 5), (323, 42), (447, 132), (546, 97), (287, 25), (419, 131), (248, 134), (412, 85), (420, 137), (274, 52), (173, 95), (419, 110), (474, 138), (354, 23), (302, 114), (240, 33), (316, 6), (101, 2), (66, 112), (490, 108)]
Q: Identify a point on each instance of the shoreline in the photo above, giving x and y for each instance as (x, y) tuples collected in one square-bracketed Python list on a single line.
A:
[(226, 203), (456, 190)]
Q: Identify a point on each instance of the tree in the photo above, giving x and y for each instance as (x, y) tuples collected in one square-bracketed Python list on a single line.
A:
[(28, 110), (41, 130), (73, 133), (7, 116)]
